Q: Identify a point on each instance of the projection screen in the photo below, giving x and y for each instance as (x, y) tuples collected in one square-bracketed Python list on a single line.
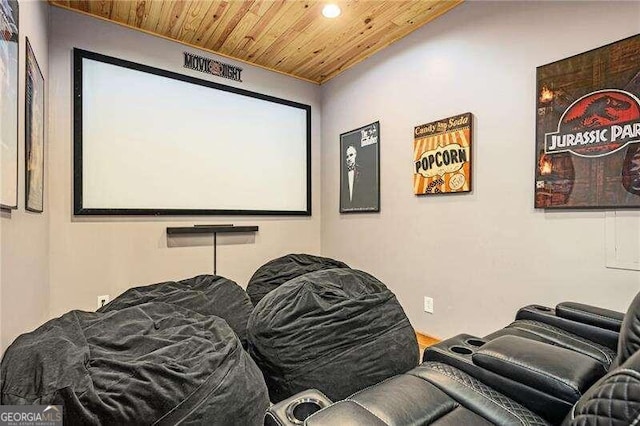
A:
[(152, 142)]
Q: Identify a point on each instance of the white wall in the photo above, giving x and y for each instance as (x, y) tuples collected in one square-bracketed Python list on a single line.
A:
[(94, 256), (24, 249), (482, 255)]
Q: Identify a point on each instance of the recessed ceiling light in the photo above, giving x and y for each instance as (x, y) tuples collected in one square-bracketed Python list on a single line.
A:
[(331, 10)]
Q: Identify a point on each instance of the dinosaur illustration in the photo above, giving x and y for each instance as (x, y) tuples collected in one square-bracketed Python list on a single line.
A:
[(599, 112), (631, 170)]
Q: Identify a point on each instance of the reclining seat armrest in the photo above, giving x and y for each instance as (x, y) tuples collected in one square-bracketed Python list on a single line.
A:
[(592, 315), (556, 371), (344, 412)]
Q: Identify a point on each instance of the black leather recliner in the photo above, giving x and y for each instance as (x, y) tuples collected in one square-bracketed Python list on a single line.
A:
[(436, 393), (510, 379), (546, 378), (587, 329)]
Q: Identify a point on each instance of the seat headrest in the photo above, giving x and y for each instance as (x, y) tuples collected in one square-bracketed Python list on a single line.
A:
[(629, 340), (614, 399)]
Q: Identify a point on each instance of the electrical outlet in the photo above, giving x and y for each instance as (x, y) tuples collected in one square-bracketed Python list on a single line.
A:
[(103, 300), (428, 304)]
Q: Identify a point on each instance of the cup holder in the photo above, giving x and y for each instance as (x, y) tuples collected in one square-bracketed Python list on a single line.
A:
[(542, 308), (461, 350), (476, 342), (298, 411)]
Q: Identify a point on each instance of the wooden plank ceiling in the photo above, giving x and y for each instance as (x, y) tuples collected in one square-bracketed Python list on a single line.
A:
[(288, 36)]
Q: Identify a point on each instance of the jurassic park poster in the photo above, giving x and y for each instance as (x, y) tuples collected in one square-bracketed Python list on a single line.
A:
[(588, 129)]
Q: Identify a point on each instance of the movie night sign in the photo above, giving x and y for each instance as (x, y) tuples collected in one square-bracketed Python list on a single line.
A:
[(209, 66)]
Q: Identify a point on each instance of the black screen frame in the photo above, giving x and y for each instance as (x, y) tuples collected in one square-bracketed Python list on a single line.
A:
[(78, 209)]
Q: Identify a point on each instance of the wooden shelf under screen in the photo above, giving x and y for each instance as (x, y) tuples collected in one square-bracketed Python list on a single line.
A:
[(210, 229)]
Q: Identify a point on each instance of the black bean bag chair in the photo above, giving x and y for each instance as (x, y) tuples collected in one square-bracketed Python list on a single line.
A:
[(335, 330), (154, 363), (278, 271), (205, 294)]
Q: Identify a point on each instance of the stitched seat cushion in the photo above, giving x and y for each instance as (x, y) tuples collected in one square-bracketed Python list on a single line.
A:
[(430, 394), (614, 400)]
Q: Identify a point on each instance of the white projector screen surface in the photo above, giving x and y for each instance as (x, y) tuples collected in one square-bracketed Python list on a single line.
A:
[(152, 144)]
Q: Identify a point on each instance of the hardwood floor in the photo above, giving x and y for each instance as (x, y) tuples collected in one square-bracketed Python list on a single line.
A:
[(424, 341)]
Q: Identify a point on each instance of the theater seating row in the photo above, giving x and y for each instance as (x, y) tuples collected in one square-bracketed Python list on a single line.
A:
[(197, 351), (572, 365)]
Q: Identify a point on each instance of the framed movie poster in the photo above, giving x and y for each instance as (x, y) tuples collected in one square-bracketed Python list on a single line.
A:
[(34, 133), (9, 104), (442, 156), (360, 170), (588, 129)]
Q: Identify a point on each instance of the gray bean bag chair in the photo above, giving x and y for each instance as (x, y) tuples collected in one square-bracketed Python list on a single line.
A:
[(205, 294), (278, 271), (154, 363), (335, 330)]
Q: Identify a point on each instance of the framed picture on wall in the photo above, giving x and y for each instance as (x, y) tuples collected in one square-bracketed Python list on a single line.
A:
[(588, 129), (9, 18), (34, 133), (360, 170), (442, 156)]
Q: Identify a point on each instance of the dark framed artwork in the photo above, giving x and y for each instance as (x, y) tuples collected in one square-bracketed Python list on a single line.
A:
[(360, 170), (33, 133), (442, 156), (9, 21), (588, 129)]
